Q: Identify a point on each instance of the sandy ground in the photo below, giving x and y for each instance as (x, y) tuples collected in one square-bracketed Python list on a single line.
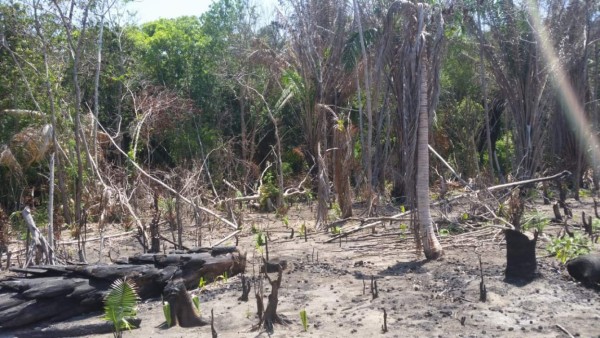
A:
[(332, 282)]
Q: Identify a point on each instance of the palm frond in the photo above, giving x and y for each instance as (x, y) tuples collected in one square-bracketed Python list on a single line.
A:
[(120, 304), (352, 52)]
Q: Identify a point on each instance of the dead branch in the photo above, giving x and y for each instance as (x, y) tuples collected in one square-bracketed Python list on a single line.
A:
[(455, 198), (164, 185), (463, 182)]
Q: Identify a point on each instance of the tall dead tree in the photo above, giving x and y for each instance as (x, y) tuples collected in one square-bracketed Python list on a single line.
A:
[(318, 31)]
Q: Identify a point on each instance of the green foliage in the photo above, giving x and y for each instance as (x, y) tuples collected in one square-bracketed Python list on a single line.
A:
[(567, 248), (337, 210), (267, 191), (18, 224), (304, 320), (595, 225), (167, 313), (536, 221), (286, 221), (505, 151), (336, 230), (202, 283), (293, 162), (351, 53), (302, 230), (260, 239), (196, 302), (120, 305)]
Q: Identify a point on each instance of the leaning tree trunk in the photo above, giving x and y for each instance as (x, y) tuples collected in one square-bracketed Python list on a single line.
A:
[(431, 245)]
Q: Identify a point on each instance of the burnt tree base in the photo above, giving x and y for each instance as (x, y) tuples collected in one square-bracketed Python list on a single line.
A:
[(183, 311), (269, 317), (521, 262)]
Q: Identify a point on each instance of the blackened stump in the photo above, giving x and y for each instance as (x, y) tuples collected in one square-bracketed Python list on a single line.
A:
[(521, 263)]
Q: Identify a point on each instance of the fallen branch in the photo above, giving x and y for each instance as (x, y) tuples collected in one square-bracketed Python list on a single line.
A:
[(463, 182), (228, 237), (452, 199), (94, 239), (565, 331)]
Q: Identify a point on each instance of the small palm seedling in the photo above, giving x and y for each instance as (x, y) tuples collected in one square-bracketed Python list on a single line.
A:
[(202, 284), (196, 302), (167, 313), (120, 305), (304, 319)]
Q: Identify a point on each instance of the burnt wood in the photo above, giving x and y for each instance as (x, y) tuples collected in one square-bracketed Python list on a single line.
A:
[(58, 292)]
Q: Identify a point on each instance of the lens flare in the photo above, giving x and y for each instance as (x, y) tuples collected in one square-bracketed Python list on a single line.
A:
[(574, 110)]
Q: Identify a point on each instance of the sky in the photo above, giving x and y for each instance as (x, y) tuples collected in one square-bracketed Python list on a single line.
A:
[(149, 10)]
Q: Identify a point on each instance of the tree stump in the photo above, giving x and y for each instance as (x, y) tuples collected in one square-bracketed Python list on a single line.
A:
[(183, 311), (521, 262)]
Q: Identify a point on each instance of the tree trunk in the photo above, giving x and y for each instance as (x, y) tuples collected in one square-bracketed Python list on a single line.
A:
[(183, 311), (485, 99), (342, 156), (431, 245), (367, 147)]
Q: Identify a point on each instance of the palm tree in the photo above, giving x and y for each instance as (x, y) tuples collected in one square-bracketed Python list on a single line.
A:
[(415, 62)]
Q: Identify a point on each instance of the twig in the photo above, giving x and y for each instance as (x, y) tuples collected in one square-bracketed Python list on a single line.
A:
[(228, 237), (565, 331)]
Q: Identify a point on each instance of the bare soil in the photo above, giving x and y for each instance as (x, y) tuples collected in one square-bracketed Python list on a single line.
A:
[(332, 282)]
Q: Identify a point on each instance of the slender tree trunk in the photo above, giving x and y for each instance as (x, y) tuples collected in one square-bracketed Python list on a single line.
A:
[(76, 54), (431, 245), (102, 9), (485, 94), (368, 146), (341, 169)]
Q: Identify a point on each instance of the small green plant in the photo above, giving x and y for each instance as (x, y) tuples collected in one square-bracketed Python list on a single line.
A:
[(120, 305), (595, 225), (285, 220), (465, 216), (222, 278), (537, 222), (336, 230), (403, 229), (167, 313), (402, 208), (304, 319), (254, 229), (302, 230), (337, 210), (585, 193), (259, 240), (444, 232), (248, 313), (202, 283), (196, 302), (567, 248)]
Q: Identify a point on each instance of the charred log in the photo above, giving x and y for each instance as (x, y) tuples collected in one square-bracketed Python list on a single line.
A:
[(54, 293)]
